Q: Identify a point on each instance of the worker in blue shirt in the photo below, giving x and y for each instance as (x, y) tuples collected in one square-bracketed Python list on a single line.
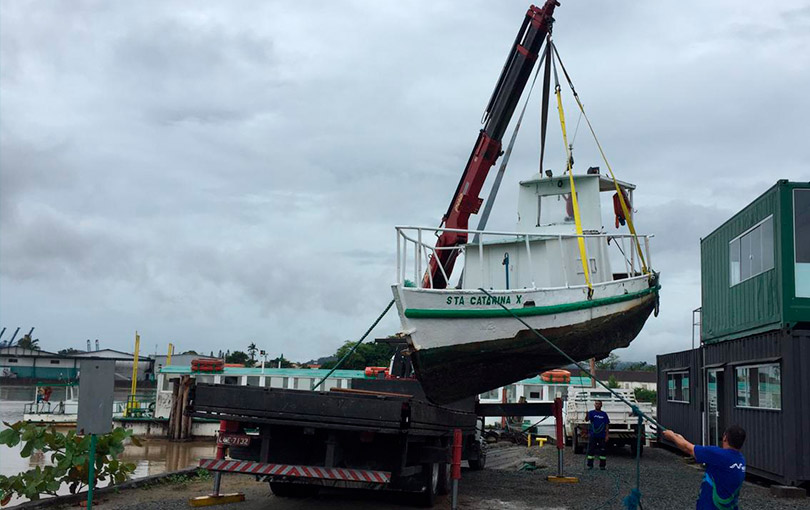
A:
[(725, 468), (597, 434)]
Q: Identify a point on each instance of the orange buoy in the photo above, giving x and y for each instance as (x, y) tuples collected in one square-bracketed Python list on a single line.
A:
[(557, 375)]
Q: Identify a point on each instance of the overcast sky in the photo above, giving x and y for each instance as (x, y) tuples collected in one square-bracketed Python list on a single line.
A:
[(216, 173)]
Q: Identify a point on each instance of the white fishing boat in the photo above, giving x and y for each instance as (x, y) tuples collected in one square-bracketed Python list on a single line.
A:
[(464, 341)]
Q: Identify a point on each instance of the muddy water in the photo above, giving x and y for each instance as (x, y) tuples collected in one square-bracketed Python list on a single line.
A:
[(154, 456)]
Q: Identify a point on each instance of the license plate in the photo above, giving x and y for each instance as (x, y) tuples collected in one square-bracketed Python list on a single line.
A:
[(233, 440)]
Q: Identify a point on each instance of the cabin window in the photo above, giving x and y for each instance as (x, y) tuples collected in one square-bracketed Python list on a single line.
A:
[(751, 253), (554, 209), (534, 394), (678, 387), (12, 360), (205, 379), (54, 362), (231, 379), (253, 380), (759, 386), (801, 233)]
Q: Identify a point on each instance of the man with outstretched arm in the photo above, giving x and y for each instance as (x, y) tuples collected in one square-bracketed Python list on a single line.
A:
[(597, 434), (725, 468)]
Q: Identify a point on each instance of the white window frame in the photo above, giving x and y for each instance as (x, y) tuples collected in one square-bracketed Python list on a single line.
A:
[(687, 393), (749, 366), (731, 282)]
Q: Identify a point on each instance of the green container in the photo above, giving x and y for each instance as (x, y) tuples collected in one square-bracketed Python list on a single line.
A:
[(755, 267)]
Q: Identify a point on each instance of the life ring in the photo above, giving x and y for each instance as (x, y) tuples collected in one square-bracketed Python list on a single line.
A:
[(556, 376)]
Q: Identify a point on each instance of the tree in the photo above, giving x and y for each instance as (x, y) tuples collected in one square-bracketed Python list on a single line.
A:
[(285, 363), (68, 351), (190, 352), (252, 350), (366, 355), (27, 343), (612, 382), (608, 363), (640, 366), (69, 454), (644, 395), (238, 357)]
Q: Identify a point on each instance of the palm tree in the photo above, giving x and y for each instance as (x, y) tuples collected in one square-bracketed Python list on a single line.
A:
[(252, 350), (27, 343)]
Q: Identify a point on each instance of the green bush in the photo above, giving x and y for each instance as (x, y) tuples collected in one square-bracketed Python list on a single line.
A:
[(69, 454), (643, 395)]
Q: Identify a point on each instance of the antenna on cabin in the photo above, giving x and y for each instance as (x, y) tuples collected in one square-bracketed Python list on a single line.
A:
[(97, 344)]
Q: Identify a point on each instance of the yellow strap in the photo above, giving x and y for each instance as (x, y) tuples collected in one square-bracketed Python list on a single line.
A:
[(625, 207), (577, 220)]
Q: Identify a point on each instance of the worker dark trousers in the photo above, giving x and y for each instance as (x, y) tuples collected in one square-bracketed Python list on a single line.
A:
[(596, 446)]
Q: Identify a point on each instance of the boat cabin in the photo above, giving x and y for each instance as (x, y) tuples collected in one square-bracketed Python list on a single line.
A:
[(545, 252)]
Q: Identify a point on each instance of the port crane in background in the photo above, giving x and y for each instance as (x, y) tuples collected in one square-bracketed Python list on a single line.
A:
[(533, 31)]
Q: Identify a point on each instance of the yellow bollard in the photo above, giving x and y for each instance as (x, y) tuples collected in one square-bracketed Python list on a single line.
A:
[(530, 440)]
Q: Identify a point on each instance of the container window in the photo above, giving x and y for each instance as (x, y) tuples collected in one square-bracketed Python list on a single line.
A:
[(751, 253), (759, 386), (678, 387), (801, 230)]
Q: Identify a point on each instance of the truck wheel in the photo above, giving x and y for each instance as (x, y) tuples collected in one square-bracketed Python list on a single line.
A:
[(633, 449), (480, 460), (430, 477), (445, 480)]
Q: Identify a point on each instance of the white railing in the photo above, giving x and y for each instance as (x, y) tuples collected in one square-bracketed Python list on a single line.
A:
[(412, 240)]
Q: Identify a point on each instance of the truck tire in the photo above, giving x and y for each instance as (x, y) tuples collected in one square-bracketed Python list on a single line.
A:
[(478, 458), (445, 480), (293, 490), (430, 477), (633, 449)]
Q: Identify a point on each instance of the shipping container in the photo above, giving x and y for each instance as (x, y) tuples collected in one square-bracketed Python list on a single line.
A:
[(755, 267), (760, 383)]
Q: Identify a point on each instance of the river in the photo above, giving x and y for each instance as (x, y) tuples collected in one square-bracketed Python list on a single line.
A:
[(154, 456)]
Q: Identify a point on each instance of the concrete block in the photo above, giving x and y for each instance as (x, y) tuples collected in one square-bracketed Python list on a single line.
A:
[(786, 491)]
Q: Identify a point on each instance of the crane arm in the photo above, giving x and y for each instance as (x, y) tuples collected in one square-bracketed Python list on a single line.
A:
[(514, 76)]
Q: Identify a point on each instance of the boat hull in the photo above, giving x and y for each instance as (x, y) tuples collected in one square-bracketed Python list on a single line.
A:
[(461, 353)]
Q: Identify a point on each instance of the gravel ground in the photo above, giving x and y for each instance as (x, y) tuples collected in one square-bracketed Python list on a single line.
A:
[(668, 481)]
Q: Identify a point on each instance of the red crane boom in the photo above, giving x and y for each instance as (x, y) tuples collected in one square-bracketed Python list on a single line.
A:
[(516, 71)]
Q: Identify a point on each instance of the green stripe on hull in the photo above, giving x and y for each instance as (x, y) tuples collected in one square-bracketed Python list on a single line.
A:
[(417, 313)]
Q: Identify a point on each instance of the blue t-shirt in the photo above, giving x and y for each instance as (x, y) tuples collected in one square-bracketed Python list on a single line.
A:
[(725, 469), (599, 423)]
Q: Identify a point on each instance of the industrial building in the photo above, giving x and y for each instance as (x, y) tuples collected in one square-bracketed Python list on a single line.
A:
[(751, 366)]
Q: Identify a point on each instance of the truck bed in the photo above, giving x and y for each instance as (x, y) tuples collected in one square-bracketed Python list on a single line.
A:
[(388, 411)]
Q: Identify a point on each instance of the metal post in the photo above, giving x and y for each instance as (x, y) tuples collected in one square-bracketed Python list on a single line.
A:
[(91, 471), (131, 401), (223, 427), (456, 468), (399, 257), (560, 437), (169, 354)]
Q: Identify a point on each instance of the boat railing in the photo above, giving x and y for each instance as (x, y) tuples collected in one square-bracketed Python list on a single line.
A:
[(44, 407), (412, 242)]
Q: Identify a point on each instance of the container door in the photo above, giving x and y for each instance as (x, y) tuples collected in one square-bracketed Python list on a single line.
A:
[(715, 397)]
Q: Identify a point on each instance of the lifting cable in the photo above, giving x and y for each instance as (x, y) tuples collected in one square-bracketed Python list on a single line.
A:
[(633, 500), (574, 200), (355, 346), (625, 206)]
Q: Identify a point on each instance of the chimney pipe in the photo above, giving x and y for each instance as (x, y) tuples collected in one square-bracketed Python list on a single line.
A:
[(97, 344), (88, 345)]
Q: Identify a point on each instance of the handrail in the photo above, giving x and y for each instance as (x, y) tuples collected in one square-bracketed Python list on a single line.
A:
[(407, 235)]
